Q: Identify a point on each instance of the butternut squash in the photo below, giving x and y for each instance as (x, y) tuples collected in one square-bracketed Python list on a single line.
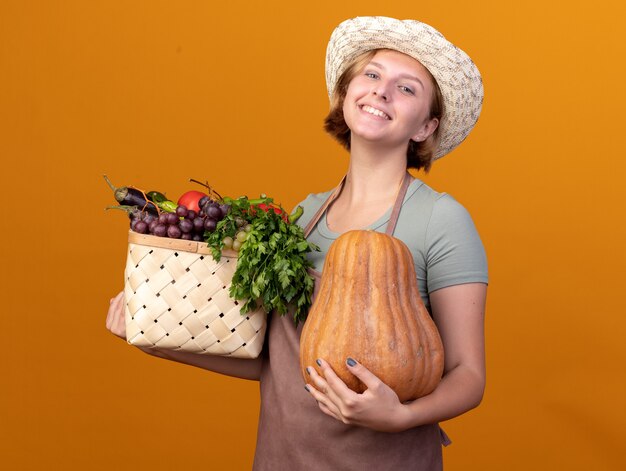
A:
[(369, 308)]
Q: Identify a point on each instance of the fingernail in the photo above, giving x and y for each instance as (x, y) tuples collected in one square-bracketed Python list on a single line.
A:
[(307, 388), (350, 362), (319, 362), (308, 370)]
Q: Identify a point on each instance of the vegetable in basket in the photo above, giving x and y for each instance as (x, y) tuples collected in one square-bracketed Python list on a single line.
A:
[(272, 262), (191, 199), (161, 201), (129, 196)]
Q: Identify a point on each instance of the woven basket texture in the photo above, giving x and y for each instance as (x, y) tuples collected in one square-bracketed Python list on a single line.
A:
[(176, 297)]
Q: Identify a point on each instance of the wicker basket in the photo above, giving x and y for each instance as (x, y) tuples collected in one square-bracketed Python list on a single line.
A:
[(176, 297)]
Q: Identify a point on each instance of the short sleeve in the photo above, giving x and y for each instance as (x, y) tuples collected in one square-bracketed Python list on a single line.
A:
[(310, 205), (454, 251)]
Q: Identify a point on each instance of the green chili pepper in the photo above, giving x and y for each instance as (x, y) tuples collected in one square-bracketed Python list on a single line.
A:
[(161, 201)]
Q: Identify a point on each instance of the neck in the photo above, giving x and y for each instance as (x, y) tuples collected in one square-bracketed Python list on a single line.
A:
[(375, 173)]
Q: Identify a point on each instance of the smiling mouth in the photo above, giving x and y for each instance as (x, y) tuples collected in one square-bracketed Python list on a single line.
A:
[(375, 112)]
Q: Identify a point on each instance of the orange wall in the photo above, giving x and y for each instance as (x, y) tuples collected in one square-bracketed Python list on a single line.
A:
[(155, 92)]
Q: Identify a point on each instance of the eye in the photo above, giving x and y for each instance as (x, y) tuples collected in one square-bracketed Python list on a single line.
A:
[(406, 89), (372, 75)]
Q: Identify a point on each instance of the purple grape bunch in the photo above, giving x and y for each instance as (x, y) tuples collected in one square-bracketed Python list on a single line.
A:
[(183, 224)]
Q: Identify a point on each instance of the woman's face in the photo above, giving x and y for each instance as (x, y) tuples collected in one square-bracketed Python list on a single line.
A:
[(389, 100)]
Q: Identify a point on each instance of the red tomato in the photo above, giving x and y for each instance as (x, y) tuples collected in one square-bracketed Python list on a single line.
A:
[(190, 200), (278, 211)]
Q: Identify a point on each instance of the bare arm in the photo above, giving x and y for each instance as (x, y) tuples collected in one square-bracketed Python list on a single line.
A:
[(459, 314), (237, 367)]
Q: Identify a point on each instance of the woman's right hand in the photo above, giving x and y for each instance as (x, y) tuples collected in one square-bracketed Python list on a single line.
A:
[(238, 367), (116, 322)]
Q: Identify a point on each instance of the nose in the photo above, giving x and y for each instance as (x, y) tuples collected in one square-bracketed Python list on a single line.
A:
[(381, 91), (380, 94)]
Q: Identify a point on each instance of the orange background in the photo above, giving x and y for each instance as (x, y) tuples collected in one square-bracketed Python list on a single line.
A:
[(155, 92)]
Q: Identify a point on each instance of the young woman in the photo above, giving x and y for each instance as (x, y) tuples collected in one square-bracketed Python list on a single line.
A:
[(401, 97)]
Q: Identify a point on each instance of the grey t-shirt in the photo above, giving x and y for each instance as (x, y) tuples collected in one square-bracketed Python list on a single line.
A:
[(439, 232)]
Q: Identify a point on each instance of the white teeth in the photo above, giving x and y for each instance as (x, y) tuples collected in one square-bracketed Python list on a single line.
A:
[(375, 112)]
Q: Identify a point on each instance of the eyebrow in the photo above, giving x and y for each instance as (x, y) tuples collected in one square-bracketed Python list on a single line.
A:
[(407, 76)]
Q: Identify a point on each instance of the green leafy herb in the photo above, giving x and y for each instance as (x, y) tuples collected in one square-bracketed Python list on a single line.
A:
[(272, 264)]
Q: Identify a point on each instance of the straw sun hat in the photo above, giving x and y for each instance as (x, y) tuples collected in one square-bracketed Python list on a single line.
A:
[(457, 76)]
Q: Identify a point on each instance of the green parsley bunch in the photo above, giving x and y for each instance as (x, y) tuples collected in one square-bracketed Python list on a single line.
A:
[(272, 264)]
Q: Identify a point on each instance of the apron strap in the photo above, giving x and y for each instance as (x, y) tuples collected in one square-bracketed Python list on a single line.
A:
[(395, 212), (309, 227), (397, 206)]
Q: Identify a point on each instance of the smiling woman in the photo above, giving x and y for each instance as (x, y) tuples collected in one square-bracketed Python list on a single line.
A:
[(393, 105), (401, 97)]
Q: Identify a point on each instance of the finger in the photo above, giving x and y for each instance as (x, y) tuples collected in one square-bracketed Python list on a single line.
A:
[(366, 376), (335, 383), (121, 323), (329, 412), (119, 299), (323, 402), (323, 381), (116, 301), (326, 393), (120, 316), (115, 321), (110, 313), (115, 305), (317, 380)]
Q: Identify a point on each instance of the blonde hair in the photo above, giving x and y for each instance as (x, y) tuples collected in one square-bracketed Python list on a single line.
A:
[(419, 155)]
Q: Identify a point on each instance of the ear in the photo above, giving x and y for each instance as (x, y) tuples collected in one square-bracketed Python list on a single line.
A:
[(426, 130)]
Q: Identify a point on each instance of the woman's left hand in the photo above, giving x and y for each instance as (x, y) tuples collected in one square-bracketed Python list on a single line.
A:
[(378, 407)]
